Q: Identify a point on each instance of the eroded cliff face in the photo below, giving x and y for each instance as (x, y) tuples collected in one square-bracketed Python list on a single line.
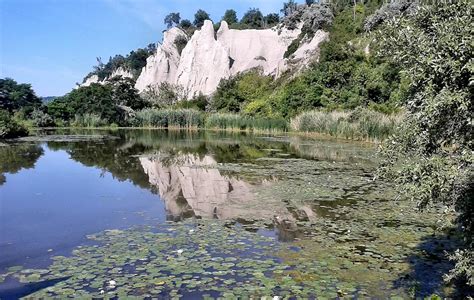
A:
[(163, 65), (209, 57)]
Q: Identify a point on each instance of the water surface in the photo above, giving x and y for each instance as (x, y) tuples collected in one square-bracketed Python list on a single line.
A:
[(204, 214)]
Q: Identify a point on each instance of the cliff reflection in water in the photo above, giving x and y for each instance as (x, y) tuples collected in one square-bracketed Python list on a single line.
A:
[(191, 185)]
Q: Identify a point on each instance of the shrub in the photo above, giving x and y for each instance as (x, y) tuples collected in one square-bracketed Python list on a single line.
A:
[(431, 158), (180, 43), (9, 128), (41, 119), (164, 95)]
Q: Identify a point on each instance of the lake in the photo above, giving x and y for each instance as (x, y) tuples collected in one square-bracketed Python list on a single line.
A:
[(151, 213)]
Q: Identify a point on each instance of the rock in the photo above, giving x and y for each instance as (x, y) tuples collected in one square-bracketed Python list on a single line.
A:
[(209, 57), (163, 65)]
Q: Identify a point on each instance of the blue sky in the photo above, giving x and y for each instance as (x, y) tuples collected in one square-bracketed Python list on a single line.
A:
[(53, 44)]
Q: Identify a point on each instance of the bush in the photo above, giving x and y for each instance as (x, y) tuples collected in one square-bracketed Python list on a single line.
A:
[(431, 158), (179, 118), (41, 119), (360, 124), (9, 128), (180, 43), (234, 93), (164, 95)]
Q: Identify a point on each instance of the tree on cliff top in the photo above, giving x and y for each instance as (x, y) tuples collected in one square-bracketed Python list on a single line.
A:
[(289, 7), (200, 17), (253, 18), (172, 19), (230, 16)]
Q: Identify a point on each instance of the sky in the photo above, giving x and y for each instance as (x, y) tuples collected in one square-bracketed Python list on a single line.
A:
[(52, 44)]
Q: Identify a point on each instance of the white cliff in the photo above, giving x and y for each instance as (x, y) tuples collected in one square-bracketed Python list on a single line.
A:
[(163, 65), (209, 57), (308, 50), (120, 72), (204, 62), (95, 79), (90, 80), (254, 48)]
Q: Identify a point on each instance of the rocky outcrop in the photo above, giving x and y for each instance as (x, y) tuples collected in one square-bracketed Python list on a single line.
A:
[(209, 57), (204, 62), (308, 51), (256, 48), (95, 79), (163, 65)]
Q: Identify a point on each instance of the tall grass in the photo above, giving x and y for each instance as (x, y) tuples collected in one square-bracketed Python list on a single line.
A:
[(235, 122), (360, 124), (169, 118), (88, 120)]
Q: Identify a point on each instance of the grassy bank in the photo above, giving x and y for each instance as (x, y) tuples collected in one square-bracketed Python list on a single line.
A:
[(235, 122), (360, 124)]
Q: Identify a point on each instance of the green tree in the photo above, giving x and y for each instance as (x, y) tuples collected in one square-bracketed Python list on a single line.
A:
[(172, 19), (9, 128), (230, 16), (15, 96), (289, 7), (41, 119), (125, 94), (185, 24), (271, 19), (431, 158), (199, 17), (253, 18), (60, 108)]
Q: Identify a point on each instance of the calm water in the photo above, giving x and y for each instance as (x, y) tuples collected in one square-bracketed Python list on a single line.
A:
[(287, 201)]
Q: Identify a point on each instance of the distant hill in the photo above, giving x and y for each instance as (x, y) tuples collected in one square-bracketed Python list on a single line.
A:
[(48, 99)]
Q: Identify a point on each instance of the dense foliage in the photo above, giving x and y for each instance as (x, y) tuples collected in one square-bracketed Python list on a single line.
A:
[(347, 76), (9, 128), (133, 62), (230, 16), (431, 159), (199, 17), (17, 96), (172, 19), (113, 102)]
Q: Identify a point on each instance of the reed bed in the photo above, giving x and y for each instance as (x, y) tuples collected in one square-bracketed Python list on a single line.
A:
[(360, 124), (89, 121), (235, 122), (169, 118)]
